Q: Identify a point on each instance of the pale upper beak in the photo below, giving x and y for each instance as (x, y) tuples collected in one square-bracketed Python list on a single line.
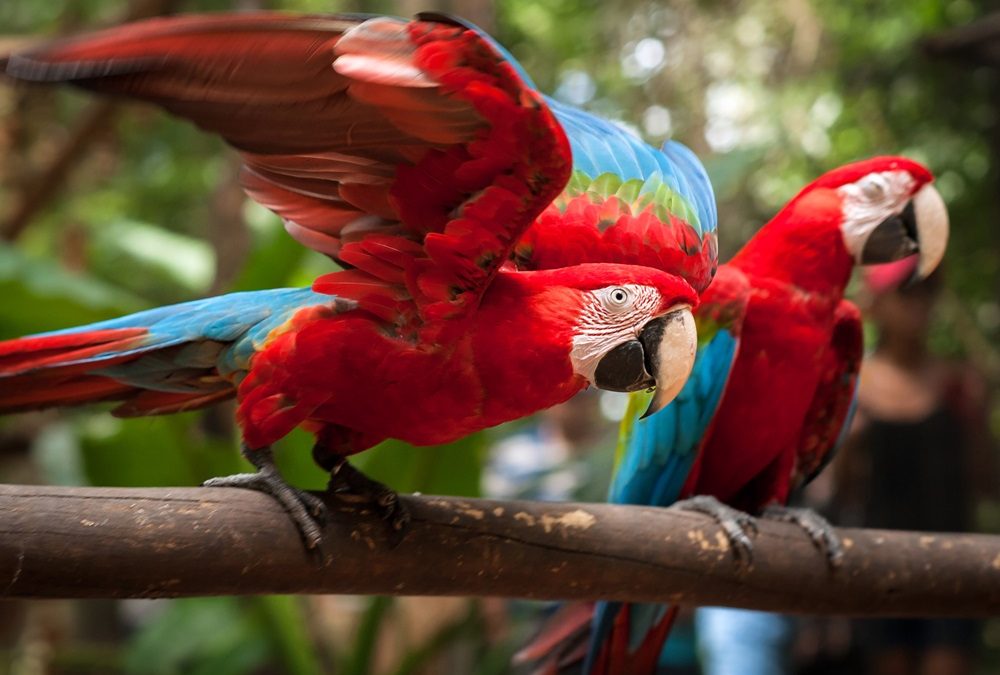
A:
[(921, 228), (662, 356)]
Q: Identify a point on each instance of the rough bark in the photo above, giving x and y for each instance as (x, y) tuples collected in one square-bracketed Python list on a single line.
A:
[(165, 542)]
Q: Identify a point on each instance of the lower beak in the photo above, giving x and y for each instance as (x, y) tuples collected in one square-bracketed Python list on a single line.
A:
[(661, 357), (921, 228), (671, 343)]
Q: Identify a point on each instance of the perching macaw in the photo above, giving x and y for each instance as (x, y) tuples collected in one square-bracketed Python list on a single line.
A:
[(503, 251), (779, 351)]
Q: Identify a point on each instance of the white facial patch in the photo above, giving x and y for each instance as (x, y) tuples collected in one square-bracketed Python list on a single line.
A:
[(868, 202), (610, 316)]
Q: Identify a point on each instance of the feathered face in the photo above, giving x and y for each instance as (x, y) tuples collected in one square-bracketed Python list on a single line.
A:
[(634, 336), (890, 210)]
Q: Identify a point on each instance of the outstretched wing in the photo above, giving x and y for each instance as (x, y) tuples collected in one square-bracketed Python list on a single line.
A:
[(626, 202), (655, 456), (829, 416), (410, 151)]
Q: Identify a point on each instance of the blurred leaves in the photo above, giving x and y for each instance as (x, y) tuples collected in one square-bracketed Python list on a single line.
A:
[(41, 295), (152, 259), (361, 658), (203, 636), (451, 469), (151, 451), (210, 636)]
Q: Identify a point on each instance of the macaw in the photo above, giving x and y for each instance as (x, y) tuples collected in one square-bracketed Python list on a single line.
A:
[(502, 251), (779, 350)]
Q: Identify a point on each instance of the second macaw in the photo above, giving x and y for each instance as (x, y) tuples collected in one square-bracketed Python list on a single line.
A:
[(773, 383), (502, 251)]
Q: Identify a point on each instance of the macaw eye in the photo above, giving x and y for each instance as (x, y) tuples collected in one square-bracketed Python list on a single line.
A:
[(873, 187), (618, 297)]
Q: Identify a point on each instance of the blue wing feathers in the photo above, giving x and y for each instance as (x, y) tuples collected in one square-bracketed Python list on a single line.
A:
[(601, 147), (663, 447), (700, 187), (239, 322)]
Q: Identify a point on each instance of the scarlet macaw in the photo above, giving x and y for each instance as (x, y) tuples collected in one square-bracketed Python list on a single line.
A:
[(504, 251), (773, 382)]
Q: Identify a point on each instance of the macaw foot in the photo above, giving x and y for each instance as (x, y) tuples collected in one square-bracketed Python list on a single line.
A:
[(307, 511), (816, 526), (350, 485), (737, 525)]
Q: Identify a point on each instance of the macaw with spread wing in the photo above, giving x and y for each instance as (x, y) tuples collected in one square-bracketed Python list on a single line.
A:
[(502, 251), (773, 382)]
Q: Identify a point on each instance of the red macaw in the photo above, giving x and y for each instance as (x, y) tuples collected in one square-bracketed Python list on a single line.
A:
[(504, 250), (770, 393)]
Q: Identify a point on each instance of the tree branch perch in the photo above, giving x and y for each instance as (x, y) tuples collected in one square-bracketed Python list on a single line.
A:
[(168, 542)]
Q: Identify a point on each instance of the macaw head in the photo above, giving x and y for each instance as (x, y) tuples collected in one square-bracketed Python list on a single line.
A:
[(891, 210), (626, 327), (875, 211), (888, 209)]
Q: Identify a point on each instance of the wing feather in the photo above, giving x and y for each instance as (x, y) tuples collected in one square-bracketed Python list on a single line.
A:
[(833, 402), (352, 127)]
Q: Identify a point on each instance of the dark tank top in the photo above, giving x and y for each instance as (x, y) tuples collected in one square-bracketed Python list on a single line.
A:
[(918, 477)]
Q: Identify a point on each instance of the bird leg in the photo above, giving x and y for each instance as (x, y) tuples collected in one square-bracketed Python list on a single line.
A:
[(349, 484), (307, 511), (333, 444), (818, 528), (737, 525)]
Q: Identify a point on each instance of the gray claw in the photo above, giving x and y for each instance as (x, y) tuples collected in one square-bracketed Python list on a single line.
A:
[(349, 484), (818, 528), (306, 510), (737, 525)]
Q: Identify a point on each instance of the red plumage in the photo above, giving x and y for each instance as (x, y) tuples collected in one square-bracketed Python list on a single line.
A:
[(608, 231), (792, 382), (475, 377)]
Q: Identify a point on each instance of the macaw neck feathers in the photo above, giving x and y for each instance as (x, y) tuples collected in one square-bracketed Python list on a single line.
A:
[(802, 245)]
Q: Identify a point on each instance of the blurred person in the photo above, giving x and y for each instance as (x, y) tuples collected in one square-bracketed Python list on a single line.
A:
[(918, 458), (742, 641)]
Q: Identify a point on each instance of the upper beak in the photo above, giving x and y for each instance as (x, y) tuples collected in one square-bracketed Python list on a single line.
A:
[(921, 228), (662, 356)]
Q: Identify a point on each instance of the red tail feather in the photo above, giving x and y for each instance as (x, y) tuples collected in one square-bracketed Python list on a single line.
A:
[(45, 371), (31, 353), (48, 392), (563, 642)]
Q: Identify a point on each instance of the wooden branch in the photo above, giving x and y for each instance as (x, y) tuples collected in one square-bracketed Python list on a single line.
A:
[(165, 542)]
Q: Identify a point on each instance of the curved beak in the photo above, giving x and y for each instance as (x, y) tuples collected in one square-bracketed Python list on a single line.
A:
[(921, 228), (661, 357)]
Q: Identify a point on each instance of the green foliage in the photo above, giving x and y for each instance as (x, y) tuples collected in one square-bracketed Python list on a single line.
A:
[(362, 655), (200, 636), (152, 451), (451, 469), (40, 295), (224, 636)]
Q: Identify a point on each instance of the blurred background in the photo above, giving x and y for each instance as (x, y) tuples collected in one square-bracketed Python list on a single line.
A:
[(107, 209)]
